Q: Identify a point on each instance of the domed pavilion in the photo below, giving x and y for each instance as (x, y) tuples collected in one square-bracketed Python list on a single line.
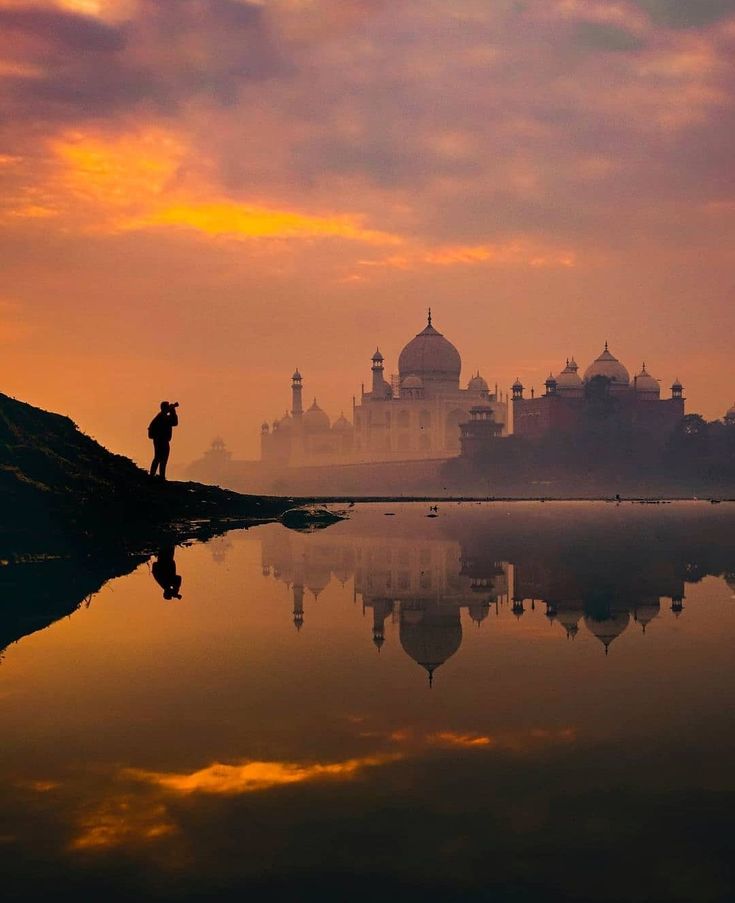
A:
[(562, 406)]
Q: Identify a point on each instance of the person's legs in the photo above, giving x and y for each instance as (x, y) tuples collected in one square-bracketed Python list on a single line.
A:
[(163, 454), (156, 460)]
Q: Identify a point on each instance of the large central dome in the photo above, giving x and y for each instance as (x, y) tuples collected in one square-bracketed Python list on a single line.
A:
[(430, 357), (610, 367)]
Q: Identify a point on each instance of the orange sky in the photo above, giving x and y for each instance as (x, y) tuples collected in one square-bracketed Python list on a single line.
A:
[(196, 197)]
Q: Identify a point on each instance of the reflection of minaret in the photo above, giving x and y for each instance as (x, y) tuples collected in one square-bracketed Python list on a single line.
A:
[(297, 408), (517, 607), (381, 609), (298, 606), (677, 605)]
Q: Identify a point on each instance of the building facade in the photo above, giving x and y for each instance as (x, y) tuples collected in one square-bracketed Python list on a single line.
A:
[(414, 415), (568, 396)]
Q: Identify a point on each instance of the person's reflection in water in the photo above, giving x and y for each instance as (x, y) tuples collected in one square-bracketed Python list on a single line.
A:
[(164, 573)]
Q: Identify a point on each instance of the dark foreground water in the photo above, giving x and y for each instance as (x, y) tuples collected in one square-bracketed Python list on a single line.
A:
[(273, 734)]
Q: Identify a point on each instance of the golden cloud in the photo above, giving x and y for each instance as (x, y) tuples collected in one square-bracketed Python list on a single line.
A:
[(145, 180), (249, 221), (521, 252), (253, 776), (452, 738), (124, 820)]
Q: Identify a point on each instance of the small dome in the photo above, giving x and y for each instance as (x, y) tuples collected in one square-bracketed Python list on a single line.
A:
[(517, 384), (377, 356), (477, 384), (296, 375), (430, 356), (609, 366), (412, 382), (646, 384), (569, 380), (315, 419), (285, 423), (264, 428), (341, 424)]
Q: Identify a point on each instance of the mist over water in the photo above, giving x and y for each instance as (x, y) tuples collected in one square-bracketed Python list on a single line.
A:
[(274, 731)]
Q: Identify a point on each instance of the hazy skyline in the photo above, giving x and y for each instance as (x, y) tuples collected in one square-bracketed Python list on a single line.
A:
[(196, 197)]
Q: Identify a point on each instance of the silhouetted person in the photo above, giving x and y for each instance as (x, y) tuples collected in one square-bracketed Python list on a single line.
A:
[(164, 573), (160, 431)]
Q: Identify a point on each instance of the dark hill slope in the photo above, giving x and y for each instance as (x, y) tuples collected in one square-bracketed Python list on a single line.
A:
[(58, 484)]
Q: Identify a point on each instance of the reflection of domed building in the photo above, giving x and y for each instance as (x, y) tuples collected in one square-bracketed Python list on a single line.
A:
[(430, 634), (415, 415), (562, 406), (423, 586), (607, 627)]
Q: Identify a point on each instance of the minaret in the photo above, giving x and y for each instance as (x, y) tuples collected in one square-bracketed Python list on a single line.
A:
[(297, 408), (378, 381)]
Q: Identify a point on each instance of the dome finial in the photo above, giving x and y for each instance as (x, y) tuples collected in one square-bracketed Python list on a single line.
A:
[(606, 345), (429, 318)]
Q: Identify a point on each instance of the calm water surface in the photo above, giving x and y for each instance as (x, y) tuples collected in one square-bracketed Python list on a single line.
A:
[(505, 702)]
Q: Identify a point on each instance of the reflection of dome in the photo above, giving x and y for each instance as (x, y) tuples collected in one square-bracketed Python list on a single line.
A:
[(315, 419), (412, 382), (569, 619), (430, 637), (646, 612), (730, 580), (478, 610), (341, 424), (477, 384), (608, 366), (606, 629), (569, 380), (647, 385), (730, 413), (430, 356)]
